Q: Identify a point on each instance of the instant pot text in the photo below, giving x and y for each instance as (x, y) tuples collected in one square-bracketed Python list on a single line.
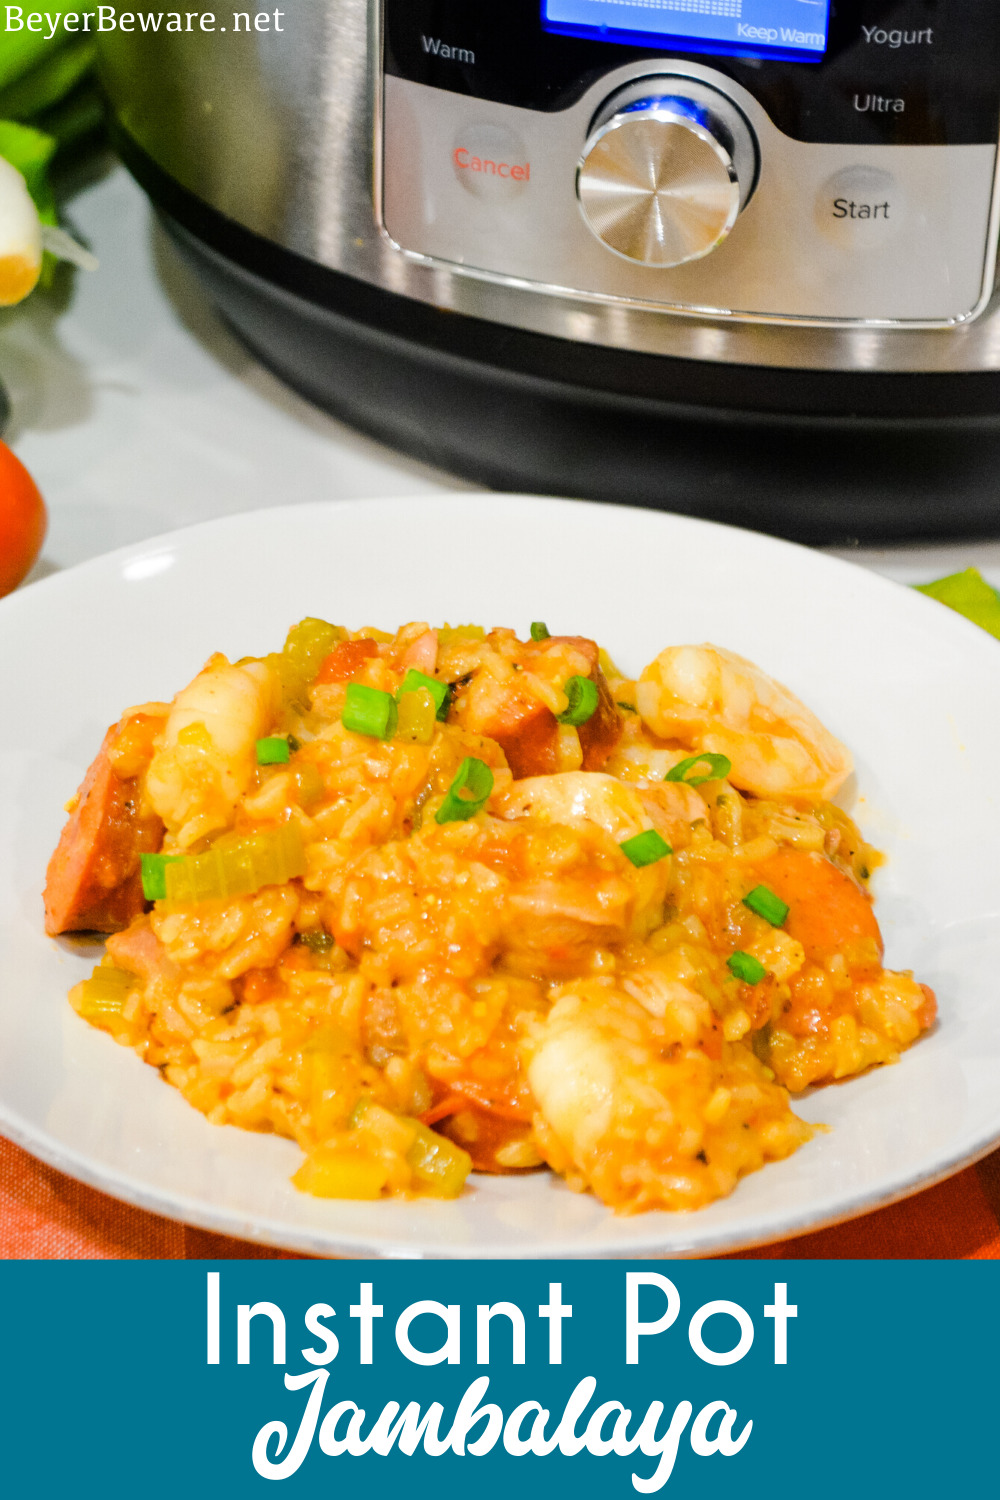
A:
[(657, 1331)]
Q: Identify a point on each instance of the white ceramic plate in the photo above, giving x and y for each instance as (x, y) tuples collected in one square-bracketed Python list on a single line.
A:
[(911, 687)]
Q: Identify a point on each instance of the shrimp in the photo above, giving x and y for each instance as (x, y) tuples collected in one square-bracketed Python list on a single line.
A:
[(634, 1107), (206, 758), (588, 799), (713, 700), (575, 798)]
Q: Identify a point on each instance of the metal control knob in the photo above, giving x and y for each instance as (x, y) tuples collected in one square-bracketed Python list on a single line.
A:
[(669, 166)]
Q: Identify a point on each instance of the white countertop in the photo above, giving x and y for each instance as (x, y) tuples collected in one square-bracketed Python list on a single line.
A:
[(138, 412)]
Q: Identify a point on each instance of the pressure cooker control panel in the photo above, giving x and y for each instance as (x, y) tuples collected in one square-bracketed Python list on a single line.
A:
[(817, 160)]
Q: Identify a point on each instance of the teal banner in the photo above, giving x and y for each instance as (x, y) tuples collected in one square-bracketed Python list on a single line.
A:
[(706, 1379)]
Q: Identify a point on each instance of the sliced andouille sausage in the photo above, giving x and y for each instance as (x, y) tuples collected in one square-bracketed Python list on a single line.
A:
[(828, 912), (528, 732), (601, 733), (93, 882)]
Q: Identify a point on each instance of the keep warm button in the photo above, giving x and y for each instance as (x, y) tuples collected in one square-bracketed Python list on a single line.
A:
[(491, 161), (860, 207)]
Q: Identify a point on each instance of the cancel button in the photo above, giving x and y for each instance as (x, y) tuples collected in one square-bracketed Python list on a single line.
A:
[(860, 207), (491, 161)]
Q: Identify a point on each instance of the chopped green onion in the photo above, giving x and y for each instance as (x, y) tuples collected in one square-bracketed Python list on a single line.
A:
[(367, 710), (746, 967), (767, 905), (583, 699), (439, 691), (236, 866), (646, 848), (719, 766), (539, 630), (629, 708), (475, 778), (273, 751), (154, 874)]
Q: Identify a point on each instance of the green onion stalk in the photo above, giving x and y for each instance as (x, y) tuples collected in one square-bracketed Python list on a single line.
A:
[(50, 110)]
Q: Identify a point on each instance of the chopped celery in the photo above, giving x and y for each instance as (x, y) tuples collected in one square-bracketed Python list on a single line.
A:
[(105, 992), (439, 691), (342, 1172), (968, 594), (237, 866), (438, 1165), (448, 635), (306, 646), (417, 717), (309, 782)]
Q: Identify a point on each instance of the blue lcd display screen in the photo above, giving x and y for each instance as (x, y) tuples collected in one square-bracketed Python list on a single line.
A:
[(762, 28)]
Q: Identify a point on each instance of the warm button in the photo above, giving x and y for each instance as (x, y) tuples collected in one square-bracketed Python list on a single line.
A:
[(860, 207), (491, 161)]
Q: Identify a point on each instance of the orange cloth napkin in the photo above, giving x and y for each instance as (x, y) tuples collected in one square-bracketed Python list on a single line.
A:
[(46, 1216)]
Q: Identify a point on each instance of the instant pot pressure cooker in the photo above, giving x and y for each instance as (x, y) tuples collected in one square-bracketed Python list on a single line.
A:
[(734, 258)]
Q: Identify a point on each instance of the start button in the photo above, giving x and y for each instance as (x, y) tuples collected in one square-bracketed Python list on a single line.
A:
[(860, 207), (491, 161)]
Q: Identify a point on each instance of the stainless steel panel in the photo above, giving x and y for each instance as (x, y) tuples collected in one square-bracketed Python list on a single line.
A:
[(922, 258), (279, 133)]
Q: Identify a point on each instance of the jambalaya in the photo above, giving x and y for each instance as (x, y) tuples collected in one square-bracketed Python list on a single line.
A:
[(447, 900)]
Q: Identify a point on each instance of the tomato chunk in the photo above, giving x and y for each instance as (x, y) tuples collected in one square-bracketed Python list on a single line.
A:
[(346, 660)]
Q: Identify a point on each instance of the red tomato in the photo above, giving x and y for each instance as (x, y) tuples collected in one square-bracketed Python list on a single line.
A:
[(23, 521)]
